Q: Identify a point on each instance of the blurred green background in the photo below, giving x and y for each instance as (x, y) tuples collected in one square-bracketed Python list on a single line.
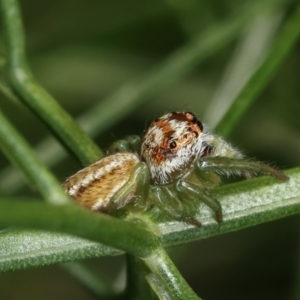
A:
[(83, 51)]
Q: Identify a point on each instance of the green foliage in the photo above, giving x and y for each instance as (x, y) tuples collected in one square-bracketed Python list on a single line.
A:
[(41, 234)]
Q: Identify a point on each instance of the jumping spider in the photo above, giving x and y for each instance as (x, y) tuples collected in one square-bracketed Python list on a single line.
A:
[(174, 167)]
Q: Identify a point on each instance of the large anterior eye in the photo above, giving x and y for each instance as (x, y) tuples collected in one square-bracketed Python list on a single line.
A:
[(172, 145)]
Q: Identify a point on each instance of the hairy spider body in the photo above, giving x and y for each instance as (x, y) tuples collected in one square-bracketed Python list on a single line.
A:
[(173, 167), (94, 186)]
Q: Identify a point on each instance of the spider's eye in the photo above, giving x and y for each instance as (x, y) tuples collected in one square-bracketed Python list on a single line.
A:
[(173, 145)]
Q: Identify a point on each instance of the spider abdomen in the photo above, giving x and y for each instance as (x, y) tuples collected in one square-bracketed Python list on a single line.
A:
[(94, 186)]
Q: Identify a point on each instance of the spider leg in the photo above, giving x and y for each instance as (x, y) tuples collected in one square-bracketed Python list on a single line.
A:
[(131, 143), (197, 193), (225, 165), (166, 199), (134, 190), (142, 178)]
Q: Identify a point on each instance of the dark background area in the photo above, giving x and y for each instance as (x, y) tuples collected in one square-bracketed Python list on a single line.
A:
[(82, 51)]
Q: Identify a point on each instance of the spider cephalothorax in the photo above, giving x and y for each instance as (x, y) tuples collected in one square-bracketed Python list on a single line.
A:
[(170, 146), (174, 167), (175, 141)]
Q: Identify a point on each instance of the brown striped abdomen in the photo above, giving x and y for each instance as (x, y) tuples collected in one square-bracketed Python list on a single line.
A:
[(93, 186)]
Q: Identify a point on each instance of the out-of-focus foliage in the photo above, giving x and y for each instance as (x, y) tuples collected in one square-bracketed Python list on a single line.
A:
[(82, 51)]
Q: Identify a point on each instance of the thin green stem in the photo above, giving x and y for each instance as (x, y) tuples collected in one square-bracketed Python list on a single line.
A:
[(157, 286), (22, 249), (37, 98), (136, 287), (244, 204), (282, 46), (8, 93), (21, 154), (167, 277), (130, 236)]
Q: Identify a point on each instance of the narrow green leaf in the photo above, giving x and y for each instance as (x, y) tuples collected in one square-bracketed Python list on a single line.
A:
[(246, 203), (131, 236), (26, 249)]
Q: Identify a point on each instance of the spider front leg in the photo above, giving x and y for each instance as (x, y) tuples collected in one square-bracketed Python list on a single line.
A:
[(196, 193), (166, 198), (135, 191), (205, 169), (131, 143), (229, 166)]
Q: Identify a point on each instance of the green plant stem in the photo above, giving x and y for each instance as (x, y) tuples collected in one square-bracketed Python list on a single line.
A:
[(157, 286), (22, 155), (22, 249), (37, 98), (245, 204), (282, 46), (132, 237), (136, 287), (8, 93), (167, 275)]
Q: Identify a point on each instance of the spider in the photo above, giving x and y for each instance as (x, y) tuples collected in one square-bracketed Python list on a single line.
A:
[(173, 167)]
